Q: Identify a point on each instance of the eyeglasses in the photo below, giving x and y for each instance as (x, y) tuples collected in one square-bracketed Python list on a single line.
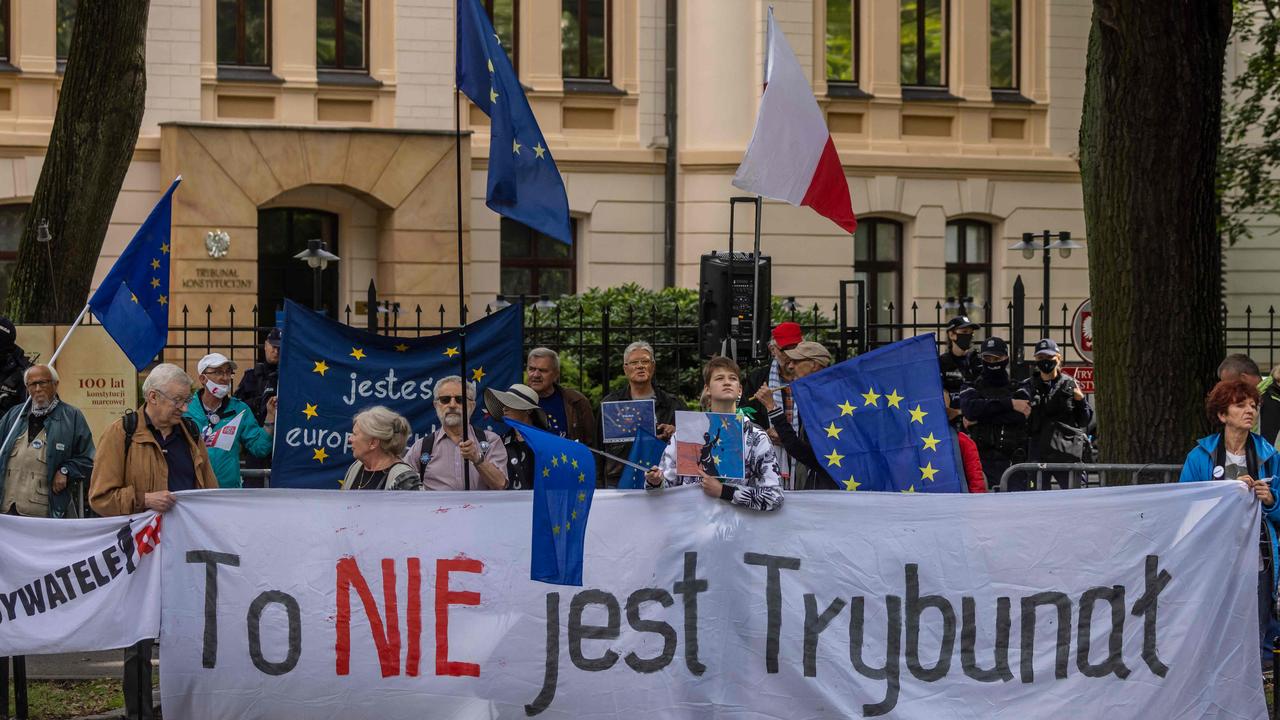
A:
[(180, 402), (224, 372), (638, 363), (449, 399), (38, 384)]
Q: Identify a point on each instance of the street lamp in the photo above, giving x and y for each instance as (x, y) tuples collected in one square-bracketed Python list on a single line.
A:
[(317, 258), (1061, 242)]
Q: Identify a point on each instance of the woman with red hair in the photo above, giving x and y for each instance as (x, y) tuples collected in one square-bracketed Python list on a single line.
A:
[(1237, 453)]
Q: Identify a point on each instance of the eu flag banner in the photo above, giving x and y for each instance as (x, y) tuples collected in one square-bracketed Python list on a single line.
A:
[(330, 371), (878, 422), (562, 493), (132, 303), (524, 183), (646, 451)]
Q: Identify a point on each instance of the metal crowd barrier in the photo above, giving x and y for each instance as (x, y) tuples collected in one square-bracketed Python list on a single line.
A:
[(1089, 474)]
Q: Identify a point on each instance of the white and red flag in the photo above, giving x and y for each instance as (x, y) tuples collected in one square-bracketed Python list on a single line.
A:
[(791, 156)]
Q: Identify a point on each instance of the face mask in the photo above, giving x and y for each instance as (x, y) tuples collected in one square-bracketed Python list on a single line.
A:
[(963, 341), (994, 373), (217, 390), (1047, 366)]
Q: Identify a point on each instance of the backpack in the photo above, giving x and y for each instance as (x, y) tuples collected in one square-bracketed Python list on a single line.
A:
[(429, 442), (131, 426)]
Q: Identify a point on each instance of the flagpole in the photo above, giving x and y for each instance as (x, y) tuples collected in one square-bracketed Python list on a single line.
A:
[(27, 403), (462, 303)]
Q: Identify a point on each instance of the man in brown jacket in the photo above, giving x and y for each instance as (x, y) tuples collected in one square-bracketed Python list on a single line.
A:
[(164, 456), (569, 412)]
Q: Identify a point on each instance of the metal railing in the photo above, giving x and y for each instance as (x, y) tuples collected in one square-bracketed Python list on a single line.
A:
[(1089, 474)]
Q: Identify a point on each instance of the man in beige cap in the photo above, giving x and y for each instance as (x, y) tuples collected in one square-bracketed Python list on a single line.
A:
[(519, 403), (803, 359)]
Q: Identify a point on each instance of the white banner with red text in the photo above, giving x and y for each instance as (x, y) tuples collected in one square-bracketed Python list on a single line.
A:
[(78, 585), (1122, 602)]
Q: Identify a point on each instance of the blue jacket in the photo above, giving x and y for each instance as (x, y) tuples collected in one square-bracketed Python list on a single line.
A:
[(70, 446), (1199, 467), (251, 437)]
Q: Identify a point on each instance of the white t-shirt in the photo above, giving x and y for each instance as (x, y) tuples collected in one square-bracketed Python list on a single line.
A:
[(1241, 463)]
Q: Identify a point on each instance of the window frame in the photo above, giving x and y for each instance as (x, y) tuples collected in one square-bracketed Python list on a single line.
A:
[(339, 40), (963, 267), (487, 5), (6, 17), (945, 75), (1016, 71), (12, 256), (267, 31), (873, 266), (583, 49), (534, 263), (61, 59), (855, 48)]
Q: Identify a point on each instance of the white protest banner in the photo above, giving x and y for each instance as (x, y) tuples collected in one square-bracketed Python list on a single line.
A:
[(78, 585), (1121, 603)]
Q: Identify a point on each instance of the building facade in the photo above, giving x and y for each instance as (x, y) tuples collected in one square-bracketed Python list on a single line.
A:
[(956, 122)]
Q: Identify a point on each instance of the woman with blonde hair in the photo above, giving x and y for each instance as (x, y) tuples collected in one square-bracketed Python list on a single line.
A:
[(378, 437)]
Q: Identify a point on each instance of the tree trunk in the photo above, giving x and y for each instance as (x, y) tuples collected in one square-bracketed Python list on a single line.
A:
[(1148, 153), (94, 132)]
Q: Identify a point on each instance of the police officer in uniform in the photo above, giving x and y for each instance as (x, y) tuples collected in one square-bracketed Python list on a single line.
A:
[(959, 364), (256, 388), (995, 412)]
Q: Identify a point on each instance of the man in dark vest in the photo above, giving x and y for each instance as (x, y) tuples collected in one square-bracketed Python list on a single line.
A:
[(995, 412)]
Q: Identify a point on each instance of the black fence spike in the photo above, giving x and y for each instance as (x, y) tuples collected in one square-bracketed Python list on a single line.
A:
[(208, 309), (418, 309), (915, 305), (231, 310), (938, 306), (1248, 309), (1271, 310), (441, 308)]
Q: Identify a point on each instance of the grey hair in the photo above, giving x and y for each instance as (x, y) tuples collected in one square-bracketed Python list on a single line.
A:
[(545, 352), (1239, 364), (165, 374), (471, 387), (639, 345), (52, 373), (386, 425)]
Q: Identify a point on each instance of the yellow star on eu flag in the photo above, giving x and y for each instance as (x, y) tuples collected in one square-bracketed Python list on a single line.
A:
[(851, 484), (555, 461), (555, 529), (834, 458), (357, 353), (928, 471), (573, 515), (320, 367), (310, 411), (162, 300), (546, 472), (164, 248), (564, 458), (401, 347), (155, 282), (539, 151), (319, 454), (931, 442), (910, 489), (582, 477), (133, 297), (477, 374), (870, 398), (450, 352), (894, 398), (917, 415), (833, 431), (582, 497), (574, 462), (515, 146), (155, 264), (493, 95), (845, 408)]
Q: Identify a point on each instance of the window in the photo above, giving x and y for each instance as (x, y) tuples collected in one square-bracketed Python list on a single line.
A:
[(535, 264), (923, 32), (584, 39), (1004, 44), (4, 30), (877, 261), (11, 224), (66, 20), (842, 41), (341, 32), (244, 33), (505, 16), (283, 233), (968, 258)]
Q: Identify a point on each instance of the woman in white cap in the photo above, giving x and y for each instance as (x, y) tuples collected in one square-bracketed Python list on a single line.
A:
[(226, 422), (519, 403)]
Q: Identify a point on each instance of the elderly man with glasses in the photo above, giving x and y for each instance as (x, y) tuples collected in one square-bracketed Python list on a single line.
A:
[(49, 451), (439, 457), (639, 367), (143, 459)]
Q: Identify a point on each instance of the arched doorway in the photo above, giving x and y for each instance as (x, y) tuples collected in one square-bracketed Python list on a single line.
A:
[(283, 233)]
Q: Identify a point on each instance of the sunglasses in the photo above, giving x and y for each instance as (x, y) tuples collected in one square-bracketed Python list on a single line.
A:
[(449, 399)]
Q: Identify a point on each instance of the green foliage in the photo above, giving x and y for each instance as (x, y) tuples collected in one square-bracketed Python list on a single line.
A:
[(666, 319), (1249, 160)]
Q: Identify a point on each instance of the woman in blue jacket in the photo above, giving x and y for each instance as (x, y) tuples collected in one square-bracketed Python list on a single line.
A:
[(1236, 453)]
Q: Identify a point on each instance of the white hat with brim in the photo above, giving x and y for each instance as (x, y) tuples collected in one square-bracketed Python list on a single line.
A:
[(518, 397), (213, 360)]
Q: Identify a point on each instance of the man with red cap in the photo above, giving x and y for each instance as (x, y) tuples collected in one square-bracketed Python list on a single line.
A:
[(785, 336)]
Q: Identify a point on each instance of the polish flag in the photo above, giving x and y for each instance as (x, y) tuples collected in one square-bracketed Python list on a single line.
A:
[(791, 156)]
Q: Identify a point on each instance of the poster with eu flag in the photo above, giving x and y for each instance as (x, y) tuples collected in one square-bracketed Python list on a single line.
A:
[(330, 371), (877, 421)]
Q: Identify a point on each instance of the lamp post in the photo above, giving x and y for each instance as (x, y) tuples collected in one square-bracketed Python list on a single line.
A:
[(1060, 241), (317, 258)]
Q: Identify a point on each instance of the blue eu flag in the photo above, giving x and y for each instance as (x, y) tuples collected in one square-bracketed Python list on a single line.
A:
[(132, 302), (878, 422), (524, 183), (562, 490), (330, 371), (646, 451)]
